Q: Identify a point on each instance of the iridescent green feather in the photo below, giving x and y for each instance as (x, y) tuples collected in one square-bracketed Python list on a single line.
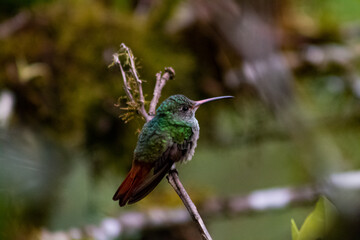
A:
[(156, 136), (163, 130)]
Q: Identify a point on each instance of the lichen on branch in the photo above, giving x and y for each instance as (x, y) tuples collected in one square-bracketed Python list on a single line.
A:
[(132, 84)]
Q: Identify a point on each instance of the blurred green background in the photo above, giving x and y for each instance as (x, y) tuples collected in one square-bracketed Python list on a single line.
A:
[(64, 149)]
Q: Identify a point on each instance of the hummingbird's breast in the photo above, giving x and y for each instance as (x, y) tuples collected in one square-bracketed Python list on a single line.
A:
[(185, 135), (193, 141)]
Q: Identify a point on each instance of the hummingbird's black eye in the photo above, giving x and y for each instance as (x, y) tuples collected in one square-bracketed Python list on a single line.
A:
[(185, 108)]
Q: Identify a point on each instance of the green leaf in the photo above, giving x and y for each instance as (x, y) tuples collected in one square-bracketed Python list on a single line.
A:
[(294, 230), (318, 223)]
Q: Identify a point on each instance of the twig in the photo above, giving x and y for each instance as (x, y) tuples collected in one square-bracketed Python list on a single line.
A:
[(160, 83), (139, 83), (173, 179), (14, 24), (125, 86)]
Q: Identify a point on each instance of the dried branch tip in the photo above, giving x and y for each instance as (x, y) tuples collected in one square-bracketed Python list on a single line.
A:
[(131, 83), (171, 73)]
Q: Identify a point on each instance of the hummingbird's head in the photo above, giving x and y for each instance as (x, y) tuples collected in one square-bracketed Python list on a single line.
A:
[(180, 108)]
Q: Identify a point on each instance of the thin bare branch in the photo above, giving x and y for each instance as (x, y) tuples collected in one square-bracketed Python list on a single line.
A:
[(161, 80), (14, 24), (126, 85), (141, 109), (173, 179)]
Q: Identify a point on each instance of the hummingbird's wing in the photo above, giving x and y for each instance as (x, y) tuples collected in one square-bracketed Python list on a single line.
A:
[(157, 150), (149, 184), (174, 153)]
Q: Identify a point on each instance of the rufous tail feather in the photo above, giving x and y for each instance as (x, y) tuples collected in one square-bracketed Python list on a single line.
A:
[(133, 180)]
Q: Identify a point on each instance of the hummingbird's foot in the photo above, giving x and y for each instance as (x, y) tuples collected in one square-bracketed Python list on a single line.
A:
[(172, 171), (173, 168)]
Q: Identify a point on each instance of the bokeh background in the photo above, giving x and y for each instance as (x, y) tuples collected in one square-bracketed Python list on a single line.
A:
[(292, 65)]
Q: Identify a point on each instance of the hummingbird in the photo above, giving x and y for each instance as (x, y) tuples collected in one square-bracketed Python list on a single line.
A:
[(170, 137)]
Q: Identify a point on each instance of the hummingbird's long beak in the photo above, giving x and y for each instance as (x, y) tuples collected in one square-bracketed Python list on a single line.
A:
[(198, 103)]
